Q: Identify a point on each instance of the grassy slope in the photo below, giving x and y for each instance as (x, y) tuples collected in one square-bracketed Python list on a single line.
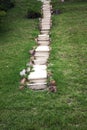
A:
[(29, 110)]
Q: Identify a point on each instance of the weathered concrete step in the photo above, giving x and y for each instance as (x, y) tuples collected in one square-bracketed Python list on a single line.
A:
[(45, 19), (47, 22), (43, 37), (39, 74), (46, 1), (41, 57), (45, 31), (42, 54), (43, 43), (37, 86), (45, 28), (46, 6), (42, 49), (40, 61), (45, 14), (39, 67), (45, 10), (38, 80), (43, 24)]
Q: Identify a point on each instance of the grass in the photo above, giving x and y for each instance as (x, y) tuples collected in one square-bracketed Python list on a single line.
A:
[(30, 110)]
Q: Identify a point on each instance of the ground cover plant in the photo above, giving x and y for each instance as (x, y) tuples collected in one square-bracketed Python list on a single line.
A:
[(30, 110)]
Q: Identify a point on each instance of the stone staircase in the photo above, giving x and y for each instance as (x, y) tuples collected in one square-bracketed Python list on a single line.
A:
[(37, 78)]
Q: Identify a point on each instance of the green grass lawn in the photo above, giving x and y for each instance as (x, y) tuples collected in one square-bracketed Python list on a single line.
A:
[(31, 110)]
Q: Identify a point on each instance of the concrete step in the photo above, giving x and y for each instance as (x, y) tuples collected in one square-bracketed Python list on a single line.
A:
[(43, 43), (43, 37), (45, 31)]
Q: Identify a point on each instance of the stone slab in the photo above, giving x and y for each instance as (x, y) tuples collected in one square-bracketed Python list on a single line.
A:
[(45, 31), (43, 58), (42, 54), (46, 28), (45, 19), (44, 43), (42, 49), (37, 86), (43, 37), (38, 74), (40, 61), (45, 23), (39, 67)]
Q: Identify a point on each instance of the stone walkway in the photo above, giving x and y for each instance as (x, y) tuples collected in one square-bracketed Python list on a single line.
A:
[(37, 79)]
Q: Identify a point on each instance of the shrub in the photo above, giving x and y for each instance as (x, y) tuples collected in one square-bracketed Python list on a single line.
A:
[(33, 14), (6, 4)]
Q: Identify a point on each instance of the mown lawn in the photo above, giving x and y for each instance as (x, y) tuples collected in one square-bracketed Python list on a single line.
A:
[(31, 110)]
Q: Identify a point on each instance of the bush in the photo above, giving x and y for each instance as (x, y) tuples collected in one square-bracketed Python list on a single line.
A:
[(33, 14), (6, 4)]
